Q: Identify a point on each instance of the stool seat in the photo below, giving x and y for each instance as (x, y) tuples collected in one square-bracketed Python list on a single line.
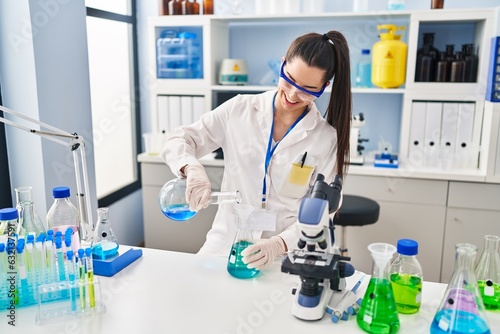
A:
[(357, 211)]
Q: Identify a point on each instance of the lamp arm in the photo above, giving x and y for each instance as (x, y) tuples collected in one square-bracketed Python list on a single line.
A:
[(77, 145)]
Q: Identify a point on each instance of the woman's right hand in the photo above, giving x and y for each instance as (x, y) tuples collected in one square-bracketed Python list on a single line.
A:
[(198, 188)]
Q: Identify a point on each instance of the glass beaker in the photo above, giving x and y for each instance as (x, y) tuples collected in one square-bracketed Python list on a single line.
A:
[(104, 244), (28, 218), (378, 312), (461, 309), (243, 239), (173, 204), (488, 273)]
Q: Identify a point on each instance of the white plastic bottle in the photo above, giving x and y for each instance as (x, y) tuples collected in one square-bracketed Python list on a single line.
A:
[(63, 215)]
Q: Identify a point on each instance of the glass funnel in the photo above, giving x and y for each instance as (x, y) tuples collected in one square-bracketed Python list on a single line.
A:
[(461, 309), (488, 273), (243, 239), (29, 220), (378, 312), (173, 204), (104, 244)]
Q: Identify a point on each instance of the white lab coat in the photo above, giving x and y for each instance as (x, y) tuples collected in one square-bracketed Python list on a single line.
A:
[(241, 127)]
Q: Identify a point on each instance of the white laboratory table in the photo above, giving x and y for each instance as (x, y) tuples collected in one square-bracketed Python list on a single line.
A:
[(170, 292)]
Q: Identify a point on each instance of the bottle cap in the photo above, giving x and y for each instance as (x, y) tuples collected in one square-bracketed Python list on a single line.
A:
[(365, 52), (8, 214), (60, 192), (407, 247), (187, 35)]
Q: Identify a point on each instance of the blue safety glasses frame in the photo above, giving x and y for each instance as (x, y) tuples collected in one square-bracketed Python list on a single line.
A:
[(302, 89)]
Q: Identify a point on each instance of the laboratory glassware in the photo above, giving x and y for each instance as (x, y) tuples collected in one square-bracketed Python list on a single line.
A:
[(28, 218), (9, 223), (378, 312), (104, 243), (173, 204), (63, 215), (242, 240), (406, 277), (364, 70), (461, 309), (488, 273)]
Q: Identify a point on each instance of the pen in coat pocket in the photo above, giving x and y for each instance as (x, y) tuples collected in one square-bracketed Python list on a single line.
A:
[(303, 160)]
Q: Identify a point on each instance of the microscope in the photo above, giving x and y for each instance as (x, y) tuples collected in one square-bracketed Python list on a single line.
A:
[(322, 271), (356, 149)]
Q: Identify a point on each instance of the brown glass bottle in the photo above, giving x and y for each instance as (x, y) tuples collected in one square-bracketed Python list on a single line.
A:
[(425, 66), (442, 71), (175, 7), (432, 52), (196, 8), (458, 68), (163, 4), (450, 57), (208, 7), (470, 63)]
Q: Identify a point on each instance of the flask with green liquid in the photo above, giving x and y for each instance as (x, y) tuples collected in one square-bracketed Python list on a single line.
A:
[(488, 273), (406, 277), (378, 313)]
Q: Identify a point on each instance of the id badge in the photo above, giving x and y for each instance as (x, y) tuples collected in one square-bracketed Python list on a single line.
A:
[(298, 177), (262, 220)]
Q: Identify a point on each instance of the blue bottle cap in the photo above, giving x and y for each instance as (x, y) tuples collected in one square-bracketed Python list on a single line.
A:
[(407, 247), (88, 252), (69, 254), (365, 52), (81, 253), (2, 247), (8, 214), (60, 192), (187, 35)]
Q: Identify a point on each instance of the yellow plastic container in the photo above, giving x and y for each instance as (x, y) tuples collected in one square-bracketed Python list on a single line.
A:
[(389, 58)]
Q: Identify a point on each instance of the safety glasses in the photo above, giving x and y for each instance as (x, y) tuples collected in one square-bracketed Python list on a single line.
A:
[(290, 87)]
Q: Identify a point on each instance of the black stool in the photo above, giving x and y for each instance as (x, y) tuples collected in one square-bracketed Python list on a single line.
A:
[(355, 211)]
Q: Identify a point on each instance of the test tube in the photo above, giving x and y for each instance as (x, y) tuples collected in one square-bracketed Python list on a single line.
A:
[(90, 276), (23, 274), (49, 257), (60, 260), (81, 276), (71, 274), (30, 261), (40, 263)]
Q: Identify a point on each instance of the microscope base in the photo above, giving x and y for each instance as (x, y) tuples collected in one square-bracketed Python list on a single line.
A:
[(315, 312)]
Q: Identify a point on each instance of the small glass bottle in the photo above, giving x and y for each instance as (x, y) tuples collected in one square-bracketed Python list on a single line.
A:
[(63, 215), (424, 66), (461, 309), (458, 68), (208, 7), (175, 7), (442, 68), (28, 218), (196, 8), (471, 61), (9, 223), (104, 244), (488, 273), (364, 70), (407, 277), (450, 57), (242, 240), (378, 312), (163, 4)]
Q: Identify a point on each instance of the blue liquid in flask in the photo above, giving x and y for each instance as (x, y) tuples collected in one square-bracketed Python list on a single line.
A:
[(104, 250), (458, 322), (235, 265), (178, 212)]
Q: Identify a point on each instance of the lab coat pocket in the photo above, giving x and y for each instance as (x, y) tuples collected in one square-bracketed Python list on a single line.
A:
[(296, 182)]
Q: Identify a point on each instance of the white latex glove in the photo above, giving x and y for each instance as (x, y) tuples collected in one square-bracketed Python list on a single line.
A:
[(198, 189), (263, 253)]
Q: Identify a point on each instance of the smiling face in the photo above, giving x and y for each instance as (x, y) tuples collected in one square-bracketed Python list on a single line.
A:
[(297, 85)]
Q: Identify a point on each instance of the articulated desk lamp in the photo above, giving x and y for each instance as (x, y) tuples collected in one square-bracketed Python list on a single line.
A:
[(77, 145)]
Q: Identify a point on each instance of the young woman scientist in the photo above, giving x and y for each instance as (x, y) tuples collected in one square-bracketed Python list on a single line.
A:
[(265, 138)]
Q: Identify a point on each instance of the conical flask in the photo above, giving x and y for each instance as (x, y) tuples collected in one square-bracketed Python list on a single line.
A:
[(461, 309), (488, 273), (104, 244), (173, 204), (28, 218), (243, 239), (378, 312)]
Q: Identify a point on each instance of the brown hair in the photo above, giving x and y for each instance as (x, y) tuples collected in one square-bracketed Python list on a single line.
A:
[(330, 52)]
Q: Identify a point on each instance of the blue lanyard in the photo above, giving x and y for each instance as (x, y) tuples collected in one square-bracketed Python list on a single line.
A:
[(271, 149)]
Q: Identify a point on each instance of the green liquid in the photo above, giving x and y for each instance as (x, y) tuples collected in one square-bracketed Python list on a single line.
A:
[(407, 292), (378, 313), (490, 295)]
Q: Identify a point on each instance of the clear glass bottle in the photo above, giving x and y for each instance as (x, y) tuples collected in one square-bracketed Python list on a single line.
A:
[(63, 215), (461, 309), (104, 244), (407, 277), (488, 273), (364, 70), (173, 204), (9, 221), (378, 312), (242, 240), (28, 218)]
